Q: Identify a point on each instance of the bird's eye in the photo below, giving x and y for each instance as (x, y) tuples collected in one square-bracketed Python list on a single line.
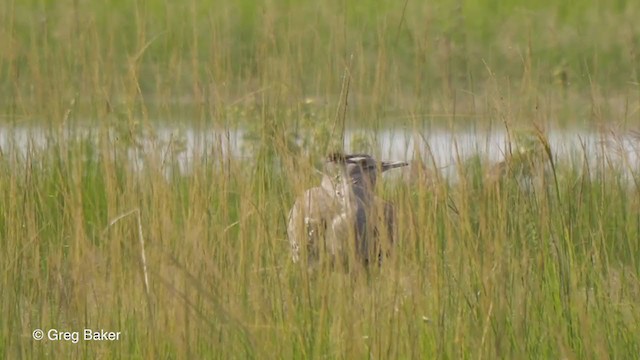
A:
[(366, 165)]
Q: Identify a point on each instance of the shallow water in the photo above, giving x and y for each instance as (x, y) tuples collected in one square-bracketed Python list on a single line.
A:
[(441, 147)]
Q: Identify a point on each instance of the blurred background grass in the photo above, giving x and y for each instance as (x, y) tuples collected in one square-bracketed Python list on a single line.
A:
[(429, 59), (485, 267)]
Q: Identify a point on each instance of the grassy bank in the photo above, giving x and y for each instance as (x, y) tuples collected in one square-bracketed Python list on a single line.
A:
[(408, 62)]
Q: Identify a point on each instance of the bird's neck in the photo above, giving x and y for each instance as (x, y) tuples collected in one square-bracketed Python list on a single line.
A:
[(361, 192), (347, 191)]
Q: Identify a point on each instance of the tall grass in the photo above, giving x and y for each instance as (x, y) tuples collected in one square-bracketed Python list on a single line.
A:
[(487, 269), (513, 272)]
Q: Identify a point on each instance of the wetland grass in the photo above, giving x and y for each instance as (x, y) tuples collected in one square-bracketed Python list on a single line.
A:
[(482, 269)]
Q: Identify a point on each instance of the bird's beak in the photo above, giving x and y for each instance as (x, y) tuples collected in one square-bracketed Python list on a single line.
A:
[(388, 165)]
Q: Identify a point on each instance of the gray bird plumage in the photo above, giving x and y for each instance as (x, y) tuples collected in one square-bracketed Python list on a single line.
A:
[(343, 216)]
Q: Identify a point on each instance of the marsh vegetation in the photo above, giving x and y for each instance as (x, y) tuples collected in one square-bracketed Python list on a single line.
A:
[(101, 226)]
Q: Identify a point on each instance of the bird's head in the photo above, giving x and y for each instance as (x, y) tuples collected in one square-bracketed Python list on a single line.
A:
[(358, 169)]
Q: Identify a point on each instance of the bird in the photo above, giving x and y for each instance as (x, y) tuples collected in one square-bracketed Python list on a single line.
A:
[(343, 216)]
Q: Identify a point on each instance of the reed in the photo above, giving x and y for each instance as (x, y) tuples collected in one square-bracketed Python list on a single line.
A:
[(102, 227)]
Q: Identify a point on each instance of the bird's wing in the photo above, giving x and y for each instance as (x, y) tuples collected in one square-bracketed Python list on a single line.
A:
[(308, 220)]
